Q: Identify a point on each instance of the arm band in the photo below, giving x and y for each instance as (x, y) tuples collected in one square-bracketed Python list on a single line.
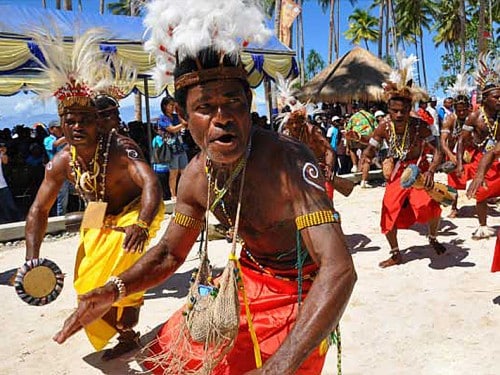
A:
[(188, 221), (374, 142), (447, 131), (120, 287), (468, 128), (317, 218)]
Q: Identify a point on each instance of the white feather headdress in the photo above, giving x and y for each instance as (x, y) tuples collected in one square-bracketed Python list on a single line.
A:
[(180, 29), (70, 76), (461, 86), (400, 83)]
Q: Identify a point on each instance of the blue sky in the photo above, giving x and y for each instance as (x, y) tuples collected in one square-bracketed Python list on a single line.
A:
[(22, 108)]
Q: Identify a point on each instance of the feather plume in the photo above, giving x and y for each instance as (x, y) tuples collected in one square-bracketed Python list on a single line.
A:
[(488, 70), (400, 82), (70, 69), (182, 28), (461, 86)]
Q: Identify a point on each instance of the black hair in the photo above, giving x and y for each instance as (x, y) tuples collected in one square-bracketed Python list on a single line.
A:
[(105, 102), (164, 102), (208, 58), (488, 88), (461, 99)]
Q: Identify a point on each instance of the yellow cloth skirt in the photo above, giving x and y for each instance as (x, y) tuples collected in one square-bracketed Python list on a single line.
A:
[(100, 255)]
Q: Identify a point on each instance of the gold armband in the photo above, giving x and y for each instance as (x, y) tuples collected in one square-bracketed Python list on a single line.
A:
[(317, 218), (188, 221), (142, 224)]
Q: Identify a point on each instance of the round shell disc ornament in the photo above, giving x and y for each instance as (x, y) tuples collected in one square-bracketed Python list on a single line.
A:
[(39, 281)]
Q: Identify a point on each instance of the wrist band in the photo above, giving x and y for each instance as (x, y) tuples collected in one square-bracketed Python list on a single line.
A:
[(468, 128), (317, 218), (142, 224), (188, 221), (446, 131), (120, 286)]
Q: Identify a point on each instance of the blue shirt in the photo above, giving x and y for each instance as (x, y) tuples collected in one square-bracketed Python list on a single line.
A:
[(334, 140), (48, 143)]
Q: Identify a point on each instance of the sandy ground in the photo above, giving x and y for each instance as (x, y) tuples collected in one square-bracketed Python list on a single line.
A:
[(431, 315)]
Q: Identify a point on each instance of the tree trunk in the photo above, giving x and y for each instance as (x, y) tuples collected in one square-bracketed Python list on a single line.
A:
[(300, 30), (461, 15), (380, 27), (277, 17), (68, 5), (331, 32), (44, 4), (337, 34), (101, 6), (58, 4), (418, 65), (422, 57), (481, 40)]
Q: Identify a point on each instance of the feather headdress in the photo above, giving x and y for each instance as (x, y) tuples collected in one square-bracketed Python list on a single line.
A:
[(400, 83), (287, 99), (461, 89), (70, 76), (180, 29), (487, 75)]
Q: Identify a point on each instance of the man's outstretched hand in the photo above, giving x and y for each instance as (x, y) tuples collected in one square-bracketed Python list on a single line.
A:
[(91, 306)]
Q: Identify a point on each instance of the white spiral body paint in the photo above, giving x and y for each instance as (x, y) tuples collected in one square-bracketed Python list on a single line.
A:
[(310, 173)]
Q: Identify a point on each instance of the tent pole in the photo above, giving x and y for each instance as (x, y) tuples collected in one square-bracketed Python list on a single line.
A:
[(269, 99), (148, 115)]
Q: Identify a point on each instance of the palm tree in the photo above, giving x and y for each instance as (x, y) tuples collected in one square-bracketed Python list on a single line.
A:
[(412, 17), (481, 39), (315, 63), (68, 5), (44, 4), (362, 27), (101, 6)]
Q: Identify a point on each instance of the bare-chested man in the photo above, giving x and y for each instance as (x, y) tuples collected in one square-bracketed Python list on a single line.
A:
[(407, 138), (117, 179), (482, 130), (450, 132), (215, 103), (490, 160)]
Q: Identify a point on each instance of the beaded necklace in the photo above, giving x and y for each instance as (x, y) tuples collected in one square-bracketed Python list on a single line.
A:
[(399, 145), (86, 182), (492, 129)]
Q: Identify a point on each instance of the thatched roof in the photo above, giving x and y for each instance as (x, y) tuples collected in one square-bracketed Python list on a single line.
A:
[(358, 75)]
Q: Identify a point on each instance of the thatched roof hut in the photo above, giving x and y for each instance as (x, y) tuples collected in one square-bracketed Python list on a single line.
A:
[(358, 75)]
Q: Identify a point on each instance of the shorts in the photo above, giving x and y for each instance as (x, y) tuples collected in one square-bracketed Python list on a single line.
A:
[(179, 161)]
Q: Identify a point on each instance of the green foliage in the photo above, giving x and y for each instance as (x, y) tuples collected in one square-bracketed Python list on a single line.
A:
[(314, 63), (362, 27)]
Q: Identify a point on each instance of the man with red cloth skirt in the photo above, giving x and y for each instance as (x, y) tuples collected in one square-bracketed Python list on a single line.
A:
[(295, 275), (408, 139), (450, 133), (489, 160), (482, 129)]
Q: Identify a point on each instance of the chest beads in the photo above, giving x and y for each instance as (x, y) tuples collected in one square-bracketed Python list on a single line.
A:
[(92, 180), (490, 140), (398, 144)]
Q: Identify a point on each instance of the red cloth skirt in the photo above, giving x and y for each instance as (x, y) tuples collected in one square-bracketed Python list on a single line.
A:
[(495, 265), (402, 207), (273, 306), (492, 179)]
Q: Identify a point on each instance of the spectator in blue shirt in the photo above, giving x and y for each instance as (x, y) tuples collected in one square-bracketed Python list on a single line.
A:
[(170, 121)]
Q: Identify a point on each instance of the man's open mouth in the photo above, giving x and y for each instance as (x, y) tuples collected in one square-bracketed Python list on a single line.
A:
[(226, 138)]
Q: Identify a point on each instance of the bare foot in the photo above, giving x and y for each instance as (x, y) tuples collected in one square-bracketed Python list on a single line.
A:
[(453, 214), (394, 260), (438, 247), (121, 348)]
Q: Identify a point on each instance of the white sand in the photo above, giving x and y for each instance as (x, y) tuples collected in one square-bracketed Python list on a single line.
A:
[(431, 315)]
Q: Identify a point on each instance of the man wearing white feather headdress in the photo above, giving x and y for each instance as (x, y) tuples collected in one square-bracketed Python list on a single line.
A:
[(482, 130), (293, 244), (408, 138), (123, 199), (450, 132)]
